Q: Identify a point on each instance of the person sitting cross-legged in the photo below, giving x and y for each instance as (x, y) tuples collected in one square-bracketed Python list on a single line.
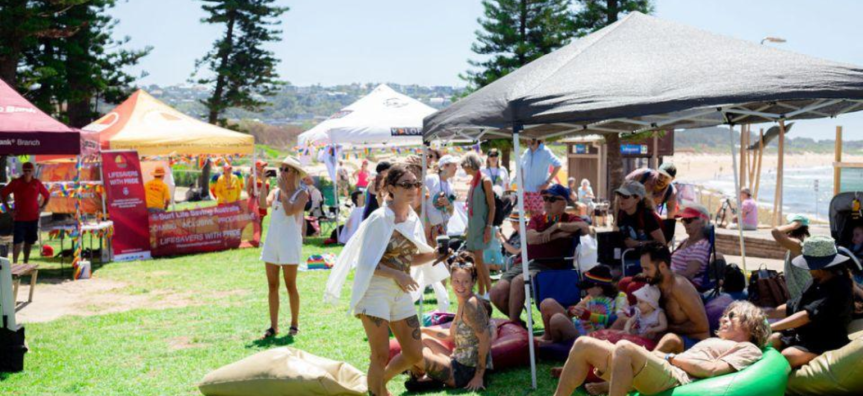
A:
[(742, 334), (549, 235)]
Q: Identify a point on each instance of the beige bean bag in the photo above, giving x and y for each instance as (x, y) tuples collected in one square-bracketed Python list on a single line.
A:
[(284, 371), (838, 372)]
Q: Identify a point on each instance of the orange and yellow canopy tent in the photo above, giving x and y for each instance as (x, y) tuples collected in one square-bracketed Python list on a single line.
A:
[(151, 127)]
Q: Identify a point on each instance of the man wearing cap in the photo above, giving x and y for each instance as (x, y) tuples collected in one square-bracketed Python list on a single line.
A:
[(228, 187), (25, 213), (791, 236), (158, 195), (817, 321), (658, 185), (748, 210), (550, 235), (439, 204), (535, 164)]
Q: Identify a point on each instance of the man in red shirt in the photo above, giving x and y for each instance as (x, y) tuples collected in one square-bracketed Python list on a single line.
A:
[(25, 213), (551, 234)]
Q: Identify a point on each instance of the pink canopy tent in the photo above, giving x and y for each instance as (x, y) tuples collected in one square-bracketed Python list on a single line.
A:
[(24, 129)]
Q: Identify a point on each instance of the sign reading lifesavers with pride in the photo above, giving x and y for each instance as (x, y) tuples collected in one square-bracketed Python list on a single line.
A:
[(202, 230), (125, 191)]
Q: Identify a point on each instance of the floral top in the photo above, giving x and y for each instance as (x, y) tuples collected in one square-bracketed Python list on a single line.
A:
[(398, 253)]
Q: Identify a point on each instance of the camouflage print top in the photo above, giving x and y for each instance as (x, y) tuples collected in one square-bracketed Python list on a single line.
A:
[(466, 349)]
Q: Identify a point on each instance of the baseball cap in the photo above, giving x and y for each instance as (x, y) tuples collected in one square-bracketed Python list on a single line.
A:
[(446, 160), (260, 163), (804, 221), (668, 169), (28, 165), (694, 211), (631, 187), (557, 190)]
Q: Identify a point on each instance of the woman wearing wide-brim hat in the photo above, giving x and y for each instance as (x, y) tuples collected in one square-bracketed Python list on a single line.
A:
[(817, 321), (284, 243)]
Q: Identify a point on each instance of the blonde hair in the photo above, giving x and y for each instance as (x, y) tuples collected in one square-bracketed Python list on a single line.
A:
[(471, 160), (753, 319)]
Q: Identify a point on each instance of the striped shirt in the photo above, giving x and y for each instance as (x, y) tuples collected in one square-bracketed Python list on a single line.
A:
[(700, 251)]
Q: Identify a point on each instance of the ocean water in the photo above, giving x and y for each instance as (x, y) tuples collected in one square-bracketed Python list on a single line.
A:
[(807, 190)]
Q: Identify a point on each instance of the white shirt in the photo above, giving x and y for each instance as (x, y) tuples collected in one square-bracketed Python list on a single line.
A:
[(499, 176), (365, 249), (435, 187)]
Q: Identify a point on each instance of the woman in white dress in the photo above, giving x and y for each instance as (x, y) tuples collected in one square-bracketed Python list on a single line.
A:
[(284, 243)]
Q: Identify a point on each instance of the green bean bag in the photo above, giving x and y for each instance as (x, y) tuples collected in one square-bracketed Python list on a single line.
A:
[(767, 377)]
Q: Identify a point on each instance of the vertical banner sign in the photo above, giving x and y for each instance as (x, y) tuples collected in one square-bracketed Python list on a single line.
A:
[(126, 205)]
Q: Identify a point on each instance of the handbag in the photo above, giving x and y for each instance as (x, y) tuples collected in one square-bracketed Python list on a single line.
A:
[(767, 288)]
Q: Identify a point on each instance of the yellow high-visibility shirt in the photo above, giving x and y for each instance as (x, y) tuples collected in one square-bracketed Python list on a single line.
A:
[(158, 194), (227, 190)]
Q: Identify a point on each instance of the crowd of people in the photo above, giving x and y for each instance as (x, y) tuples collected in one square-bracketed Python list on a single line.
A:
[(659, 296)]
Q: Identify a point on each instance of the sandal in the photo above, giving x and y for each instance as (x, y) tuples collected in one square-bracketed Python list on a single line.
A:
[(293, 331), (271, 332)]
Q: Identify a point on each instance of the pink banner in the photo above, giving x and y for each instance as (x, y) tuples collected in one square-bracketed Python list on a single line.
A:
[(126, 206), (202, 230)]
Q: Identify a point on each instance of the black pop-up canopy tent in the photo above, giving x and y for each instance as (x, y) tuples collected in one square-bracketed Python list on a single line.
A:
[(640, 74)]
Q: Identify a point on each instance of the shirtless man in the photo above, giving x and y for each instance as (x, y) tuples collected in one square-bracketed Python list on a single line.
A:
[(687, 319)]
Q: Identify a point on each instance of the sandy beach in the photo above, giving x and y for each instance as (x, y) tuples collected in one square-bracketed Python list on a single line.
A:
[(699, 167)]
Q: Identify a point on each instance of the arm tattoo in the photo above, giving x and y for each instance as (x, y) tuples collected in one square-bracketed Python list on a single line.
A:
[(476, 316), (414, 323), (437, 371)]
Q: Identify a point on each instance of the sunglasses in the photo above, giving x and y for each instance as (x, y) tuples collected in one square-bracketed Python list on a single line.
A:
[(624, 196), (409, 185), (551, 199), (690, 220), (286, 169), (492, 155)]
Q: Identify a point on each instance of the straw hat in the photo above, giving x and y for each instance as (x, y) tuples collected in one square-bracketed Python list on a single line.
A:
[(294, 163)]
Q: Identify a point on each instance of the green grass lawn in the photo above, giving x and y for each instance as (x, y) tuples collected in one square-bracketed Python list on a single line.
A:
[(223, 313)]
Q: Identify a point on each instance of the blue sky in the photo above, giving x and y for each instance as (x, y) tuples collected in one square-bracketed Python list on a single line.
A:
[(428, 42)]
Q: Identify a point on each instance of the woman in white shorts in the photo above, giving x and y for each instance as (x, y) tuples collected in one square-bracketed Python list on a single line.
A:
[(284, 243), (386, 246)]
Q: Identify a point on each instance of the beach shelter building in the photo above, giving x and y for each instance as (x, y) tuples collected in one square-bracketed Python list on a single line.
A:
[(151, 127)]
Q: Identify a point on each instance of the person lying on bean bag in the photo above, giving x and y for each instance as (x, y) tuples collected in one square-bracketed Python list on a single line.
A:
[(742, 335)]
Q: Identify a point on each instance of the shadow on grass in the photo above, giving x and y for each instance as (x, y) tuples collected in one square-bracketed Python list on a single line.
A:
[(271, 342)]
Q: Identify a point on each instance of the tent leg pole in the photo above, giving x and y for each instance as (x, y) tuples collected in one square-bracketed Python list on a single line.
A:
[(336, 189), (423, 206), (737, 192), (522, 234)]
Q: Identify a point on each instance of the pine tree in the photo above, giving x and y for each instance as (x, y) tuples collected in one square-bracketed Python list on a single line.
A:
[(75, 72), (514, 33), (242, 69), (590, 16)]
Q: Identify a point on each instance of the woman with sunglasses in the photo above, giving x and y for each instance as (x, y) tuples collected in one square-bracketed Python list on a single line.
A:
[(284, 243), (480, 208), (743, 333), (692, 256), (498, 175), (391, 254), (471, 333)]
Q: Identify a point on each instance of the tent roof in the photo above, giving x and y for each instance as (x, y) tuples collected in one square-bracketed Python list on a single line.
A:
[(24, 129), (151, 127), (384, 117), (643, 73)]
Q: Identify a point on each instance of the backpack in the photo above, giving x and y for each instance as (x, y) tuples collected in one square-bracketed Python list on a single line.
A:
[(767, 288), (502, 208)]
